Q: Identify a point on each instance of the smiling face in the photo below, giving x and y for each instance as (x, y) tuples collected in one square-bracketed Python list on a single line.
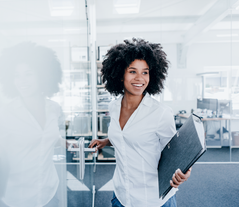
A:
[(26, 81), (136, 77)]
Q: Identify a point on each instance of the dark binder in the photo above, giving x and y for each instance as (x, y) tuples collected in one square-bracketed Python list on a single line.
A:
[(182, 151)]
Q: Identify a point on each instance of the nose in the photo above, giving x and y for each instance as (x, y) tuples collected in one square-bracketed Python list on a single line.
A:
[(139, 77)]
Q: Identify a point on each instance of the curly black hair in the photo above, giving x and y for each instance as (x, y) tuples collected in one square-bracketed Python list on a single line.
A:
[(41, 59), (120, 56)]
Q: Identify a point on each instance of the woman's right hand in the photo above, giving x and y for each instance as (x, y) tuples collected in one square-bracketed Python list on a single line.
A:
[(100, 143)]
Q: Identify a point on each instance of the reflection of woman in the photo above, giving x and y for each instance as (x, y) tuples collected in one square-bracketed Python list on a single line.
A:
[(29, 124), (140, 126)]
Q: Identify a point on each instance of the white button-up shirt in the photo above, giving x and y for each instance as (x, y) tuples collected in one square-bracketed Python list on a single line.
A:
[(32, 177), (138, 149)]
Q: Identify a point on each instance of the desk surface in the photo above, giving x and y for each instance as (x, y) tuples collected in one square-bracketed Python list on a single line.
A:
[(210, 119)]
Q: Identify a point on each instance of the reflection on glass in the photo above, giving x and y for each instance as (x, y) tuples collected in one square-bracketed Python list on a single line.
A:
[(30, 127)]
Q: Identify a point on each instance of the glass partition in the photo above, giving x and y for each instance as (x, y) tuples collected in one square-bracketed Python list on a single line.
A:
[(45, 104), (201, 45), (234, 86)]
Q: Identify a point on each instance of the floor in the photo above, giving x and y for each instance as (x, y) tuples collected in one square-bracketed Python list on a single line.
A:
[(209, 185)]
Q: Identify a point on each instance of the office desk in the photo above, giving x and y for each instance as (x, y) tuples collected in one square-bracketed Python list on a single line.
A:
[(210, 119), (227, 120)]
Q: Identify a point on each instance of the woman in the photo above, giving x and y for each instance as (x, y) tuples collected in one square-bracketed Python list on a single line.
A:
[(29, 125), (140, 126)]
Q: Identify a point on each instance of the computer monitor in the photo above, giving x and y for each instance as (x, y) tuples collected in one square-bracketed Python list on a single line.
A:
[(207, 103), (224, 106)]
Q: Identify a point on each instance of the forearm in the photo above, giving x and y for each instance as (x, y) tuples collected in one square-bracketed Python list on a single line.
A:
[(108, 142)]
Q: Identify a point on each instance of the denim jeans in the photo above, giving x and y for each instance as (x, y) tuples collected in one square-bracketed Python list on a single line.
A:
[(170, 203), (115, 202)]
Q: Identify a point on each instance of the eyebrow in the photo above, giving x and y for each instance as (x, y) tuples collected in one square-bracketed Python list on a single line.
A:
[(136, 68)]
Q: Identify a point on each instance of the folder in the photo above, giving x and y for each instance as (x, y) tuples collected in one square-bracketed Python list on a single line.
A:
[(182, 151)]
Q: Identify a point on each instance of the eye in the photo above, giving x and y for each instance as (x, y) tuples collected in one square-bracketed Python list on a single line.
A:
[(132, 71), (145, 73)]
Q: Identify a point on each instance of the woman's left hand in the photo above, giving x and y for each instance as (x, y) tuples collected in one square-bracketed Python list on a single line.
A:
[(178, 177)]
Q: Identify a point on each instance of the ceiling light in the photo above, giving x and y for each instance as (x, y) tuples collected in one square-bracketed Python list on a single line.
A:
[(61, 7), (207, 74), (227, 35), (127, 6)]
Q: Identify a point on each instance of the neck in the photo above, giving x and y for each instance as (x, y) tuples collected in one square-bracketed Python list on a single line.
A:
[(131, 101), (33, 101)]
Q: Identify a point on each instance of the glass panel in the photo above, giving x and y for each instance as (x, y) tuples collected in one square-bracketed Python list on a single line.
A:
[(45, 103), (199, 80), (198, 45), (234, 123)]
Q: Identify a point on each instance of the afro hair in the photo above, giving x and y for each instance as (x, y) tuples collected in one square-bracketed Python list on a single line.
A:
[(41, 59), (120, 56)]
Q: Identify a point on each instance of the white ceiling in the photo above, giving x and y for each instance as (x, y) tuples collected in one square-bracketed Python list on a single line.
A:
[(171, 20)]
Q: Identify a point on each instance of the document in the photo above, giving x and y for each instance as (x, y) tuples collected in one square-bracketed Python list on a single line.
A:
[(182, 151)]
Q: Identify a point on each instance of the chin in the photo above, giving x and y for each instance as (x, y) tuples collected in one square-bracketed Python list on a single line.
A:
[(137, 93), (134, 92)]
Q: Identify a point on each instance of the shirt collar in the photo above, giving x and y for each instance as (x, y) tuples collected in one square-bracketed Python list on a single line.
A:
[(147, 100), (18, 103)]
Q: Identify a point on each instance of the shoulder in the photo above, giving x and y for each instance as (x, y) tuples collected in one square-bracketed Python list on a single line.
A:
[(9, 110), (160, 107), (115, 103), (52, 103), (9, 106), (53, 107), (162, 114)]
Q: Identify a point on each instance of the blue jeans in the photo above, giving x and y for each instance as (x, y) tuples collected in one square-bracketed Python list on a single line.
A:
[(170, 203), (115, 202)]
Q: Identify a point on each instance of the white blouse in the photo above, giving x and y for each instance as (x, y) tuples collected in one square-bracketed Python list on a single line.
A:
[(32, 179), (138, 149)]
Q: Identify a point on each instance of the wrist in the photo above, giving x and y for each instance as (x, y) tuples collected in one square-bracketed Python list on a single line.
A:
[(108, 142)]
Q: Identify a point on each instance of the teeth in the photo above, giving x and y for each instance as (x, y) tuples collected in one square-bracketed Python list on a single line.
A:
[(138, 85)]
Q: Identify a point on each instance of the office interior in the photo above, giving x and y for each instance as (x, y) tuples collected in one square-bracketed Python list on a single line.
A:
[(200, 38)]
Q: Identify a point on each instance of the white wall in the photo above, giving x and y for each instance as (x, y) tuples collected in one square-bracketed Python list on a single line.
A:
[(183, 84)]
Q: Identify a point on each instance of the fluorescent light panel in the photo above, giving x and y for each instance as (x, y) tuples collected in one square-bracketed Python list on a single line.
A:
[(127, 6), (61, 7)]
